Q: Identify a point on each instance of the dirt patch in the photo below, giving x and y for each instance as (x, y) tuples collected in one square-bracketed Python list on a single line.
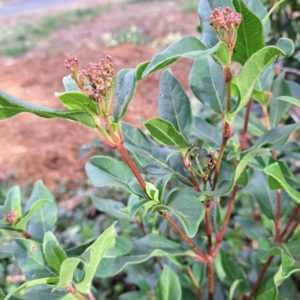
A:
[(47, 149)]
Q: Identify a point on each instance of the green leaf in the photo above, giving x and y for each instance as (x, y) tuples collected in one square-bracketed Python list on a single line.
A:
[(255, 127), (6, 251), (152, 158), (233, 288), (67, 270), (13, 203), (45, 291), (10, 106), (139, 204), (275, 138), (187, 208), (209, 37), (290, 100), (206, 81), (31, 260), (189, 47), (54, 254), (274, 171), (103, 171), (151, 245), (246, 79), (250, 36), (278, 108), (23, 222), (182, 48), (139, 70), (231, 271), (227, 186), (260, 10), (206, 132), (250, 229), (27, 284), (45, 217), (110, 207), (165, 133), (78, 101), (266, 199), (124, 91), (93, 255), (265, 80), (174, 104), (134, 295), (169, 285), (290, 256), (70, 85)]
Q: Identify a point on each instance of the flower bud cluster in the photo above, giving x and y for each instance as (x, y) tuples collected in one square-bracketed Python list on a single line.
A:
[(225, 18), (97, 81), (11, 217), (228, 20)]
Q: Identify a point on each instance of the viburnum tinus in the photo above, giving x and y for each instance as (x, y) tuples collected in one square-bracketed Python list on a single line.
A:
[(226, 22)]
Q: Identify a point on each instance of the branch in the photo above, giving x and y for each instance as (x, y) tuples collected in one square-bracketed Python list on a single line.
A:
[(290, 221), (196, 285)]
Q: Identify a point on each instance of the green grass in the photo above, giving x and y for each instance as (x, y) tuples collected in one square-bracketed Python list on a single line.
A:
[(22, 37)]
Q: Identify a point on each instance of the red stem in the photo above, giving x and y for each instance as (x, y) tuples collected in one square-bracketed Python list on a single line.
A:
[(244, 132), (121, 149), (260, 276), (196, 285), (210, 278), (290, 221), (226, 220), (184, 237), (208, 230), (291, 232)]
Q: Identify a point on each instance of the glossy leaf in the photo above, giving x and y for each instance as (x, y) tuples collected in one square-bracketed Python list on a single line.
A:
[(278, 108), (206, 132), (189, 47), (67, 270), (13, 203), (274, 171), (174, 105), (54, 254), (77, 101), (165, 133), (151, 158), (255, 127), (275, 138), (45, 291), (23, 222), (27, 284), (10, 106), (290, 256), (169, 285), (231, 271), (207, 83), (93, 255), (208, 37), (260, 10), (265, 80), (290, 100), (187, 208), (152, 245), (110, 207), (145, 203), (44, 218), (31, 260), (125, 87), (250, 36), (103, 171), (266, 199), (246, 79)]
